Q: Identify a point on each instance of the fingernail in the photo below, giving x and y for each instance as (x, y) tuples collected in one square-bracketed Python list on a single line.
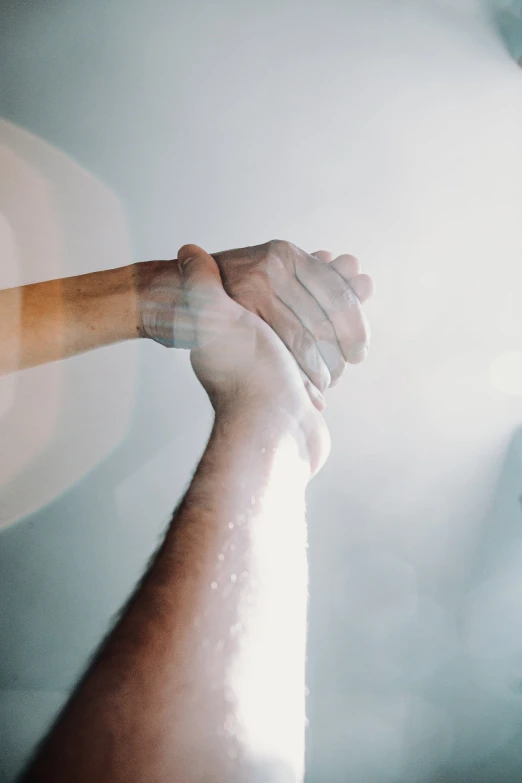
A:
[(320, 400), (183, 264)]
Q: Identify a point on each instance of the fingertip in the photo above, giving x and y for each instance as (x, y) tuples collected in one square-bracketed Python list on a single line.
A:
[(198, 267), (358, 356), (347, 266), (186, 252), (324, 255), (363, 287)]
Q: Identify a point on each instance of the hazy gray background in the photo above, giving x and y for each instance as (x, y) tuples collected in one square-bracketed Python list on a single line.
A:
[(385, 128)]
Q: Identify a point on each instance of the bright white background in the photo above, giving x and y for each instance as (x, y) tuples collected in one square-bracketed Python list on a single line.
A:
[(385, 128)]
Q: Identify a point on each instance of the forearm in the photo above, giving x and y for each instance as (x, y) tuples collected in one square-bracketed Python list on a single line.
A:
[(47, 321), (203, 677)]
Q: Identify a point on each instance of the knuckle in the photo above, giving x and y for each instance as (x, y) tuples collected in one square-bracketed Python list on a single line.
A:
[(281, 248), (278, 245), (276, 260), (344, 297)]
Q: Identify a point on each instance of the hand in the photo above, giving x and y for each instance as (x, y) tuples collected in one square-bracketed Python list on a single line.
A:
[(313, 302), (242, 364)]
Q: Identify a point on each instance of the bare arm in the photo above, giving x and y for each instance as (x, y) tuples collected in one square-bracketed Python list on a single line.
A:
[(313, 306), (56, 319), (202, 680)]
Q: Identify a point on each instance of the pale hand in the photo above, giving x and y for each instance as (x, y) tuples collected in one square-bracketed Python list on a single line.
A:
[(312, 301), (242, 364)]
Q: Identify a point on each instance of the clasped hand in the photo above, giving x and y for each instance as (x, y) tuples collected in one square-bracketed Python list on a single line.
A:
[(311, 301)]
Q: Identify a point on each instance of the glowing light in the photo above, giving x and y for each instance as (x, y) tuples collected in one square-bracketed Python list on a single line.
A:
[(270, 628), (506, 373), (48, 205)]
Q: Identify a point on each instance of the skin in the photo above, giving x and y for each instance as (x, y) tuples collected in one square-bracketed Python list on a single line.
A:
[(313, 302), (202, 678)]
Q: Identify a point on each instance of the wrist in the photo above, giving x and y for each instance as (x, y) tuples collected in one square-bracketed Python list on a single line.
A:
[(122, 298), (157, 286), (101, 303), (140, 277), (263, 425)]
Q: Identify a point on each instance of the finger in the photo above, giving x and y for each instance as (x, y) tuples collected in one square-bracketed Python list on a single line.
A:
[(324, 255), (337, 299), (316, 322), (200, 275), (356, 356), (359, 356), (198, 266), (363, 286), (347, 266), (300, 342), (313, 392), (207, 309)]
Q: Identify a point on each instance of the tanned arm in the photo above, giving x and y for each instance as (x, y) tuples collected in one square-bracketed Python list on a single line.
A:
[(56, 319), (312, 303)]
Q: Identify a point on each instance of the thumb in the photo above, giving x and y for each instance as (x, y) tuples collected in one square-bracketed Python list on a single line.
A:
[(199, 270), (207, 306)]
